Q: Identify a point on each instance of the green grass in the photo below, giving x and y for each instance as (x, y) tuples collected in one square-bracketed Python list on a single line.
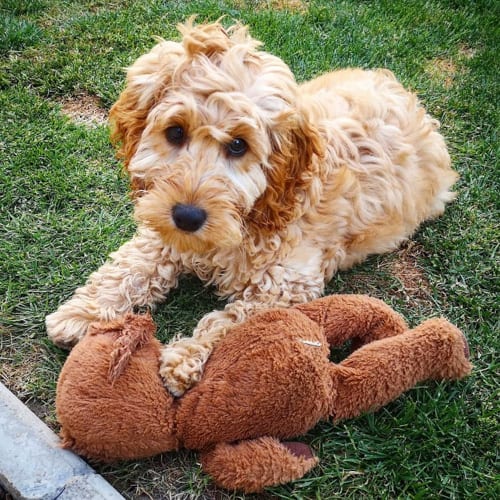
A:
[(64, 207)]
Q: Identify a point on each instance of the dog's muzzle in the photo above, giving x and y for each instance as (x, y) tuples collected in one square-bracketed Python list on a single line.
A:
[(188, 217)]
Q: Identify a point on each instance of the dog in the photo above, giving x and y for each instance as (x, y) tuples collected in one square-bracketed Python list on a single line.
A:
[(256, 184)]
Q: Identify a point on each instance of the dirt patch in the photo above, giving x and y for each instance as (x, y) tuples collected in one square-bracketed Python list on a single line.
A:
[(405, 268), (300, 6), (397, 278), (4, 495), (84, 109)]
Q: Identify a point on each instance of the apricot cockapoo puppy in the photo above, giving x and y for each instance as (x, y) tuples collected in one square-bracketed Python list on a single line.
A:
[(256, 184)]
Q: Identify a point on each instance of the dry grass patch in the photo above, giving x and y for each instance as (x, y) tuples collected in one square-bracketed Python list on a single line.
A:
[(405, 268), (443, 70), (466, 52), (22, 376), (295, 6), (290, 5), (84, 109), (398, 278)]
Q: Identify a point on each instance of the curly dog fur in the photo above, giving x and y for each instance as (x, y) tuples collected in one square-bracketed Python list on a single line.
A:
[(256, 184)]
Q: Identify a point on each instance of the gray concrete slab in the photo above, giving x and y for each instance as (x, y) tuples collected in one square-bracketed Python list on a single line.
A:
[(32, 464)]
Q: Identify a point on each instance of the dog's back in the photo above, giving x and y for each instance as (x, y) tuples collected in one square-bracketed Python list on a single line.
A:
[(389, 167)]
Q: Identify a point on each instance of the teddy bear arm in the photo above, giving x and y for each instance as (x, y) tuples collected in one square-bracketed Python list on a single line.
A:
[(358, 317), (254, 464), (381, 371)]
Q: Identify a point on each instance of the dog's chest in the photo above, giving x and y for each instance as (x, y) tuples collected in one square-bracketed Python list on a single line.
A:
[(232, 270), (268, 265)]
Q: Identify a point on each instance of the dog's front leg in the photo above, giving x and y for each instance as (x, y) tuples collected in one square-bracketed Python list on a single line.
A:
[(139, 274), (182, 360)]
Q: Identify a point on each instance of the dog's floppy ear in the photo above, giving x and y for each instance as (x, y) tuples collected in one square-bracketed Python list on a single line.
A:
[(292, 174), (147, 80)]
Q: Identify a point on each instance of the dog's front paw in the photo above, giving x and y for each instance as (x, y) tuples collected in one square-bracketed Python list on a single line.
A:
[(65, 328), (181, 365)]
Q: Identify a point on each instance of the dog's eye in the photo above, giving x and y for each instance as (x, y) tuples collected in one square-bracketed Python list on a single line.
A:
[(237, 147), (175, 135)]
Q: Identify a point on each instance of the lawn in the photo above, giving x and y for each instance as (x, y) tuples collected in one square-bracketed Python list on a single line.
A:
[(64, 207)]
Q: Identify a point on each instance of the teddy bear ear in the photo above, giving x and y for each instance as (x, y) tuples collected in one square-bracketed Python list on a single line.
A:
[(137, 331), (252, 465)]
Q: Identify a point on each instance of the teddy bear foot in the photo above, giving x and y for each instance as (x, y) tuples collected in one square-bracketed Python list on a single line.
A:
[(252, 465), (452, 344)]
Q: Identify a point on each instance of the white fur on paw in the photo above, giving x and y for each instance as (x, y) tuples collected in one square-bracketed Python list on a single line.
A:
[(65, 331)]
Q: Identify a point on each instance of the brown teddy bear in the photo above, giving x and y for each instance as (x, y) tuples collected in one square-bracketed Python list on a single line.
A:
[(269, 380)]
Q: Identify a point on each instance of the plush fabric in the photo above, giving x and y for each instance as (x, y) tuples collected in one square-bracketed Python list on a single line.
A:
[(269, 380)]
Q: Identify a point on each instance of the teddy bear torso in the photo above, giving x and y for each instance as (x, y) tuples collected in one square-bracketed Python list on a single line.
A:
[(266, 371)]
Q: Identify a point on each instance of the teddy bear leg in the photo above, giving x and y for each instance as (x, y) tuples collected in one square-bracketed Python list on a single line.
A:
[(252, 465), (379, 372), (358, 317)]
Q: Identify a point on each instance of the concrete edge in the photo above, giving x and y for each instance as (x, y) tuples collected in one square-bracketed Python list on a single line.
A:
[(34, 466)]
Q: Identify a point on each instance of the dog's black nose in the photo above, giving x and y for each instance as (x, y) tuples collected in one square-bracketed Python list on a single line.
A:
[(188, 217)]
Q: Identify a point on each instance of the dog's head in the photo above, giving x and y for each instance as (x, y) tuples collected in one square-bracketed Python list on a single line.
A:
[(214, 138)]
